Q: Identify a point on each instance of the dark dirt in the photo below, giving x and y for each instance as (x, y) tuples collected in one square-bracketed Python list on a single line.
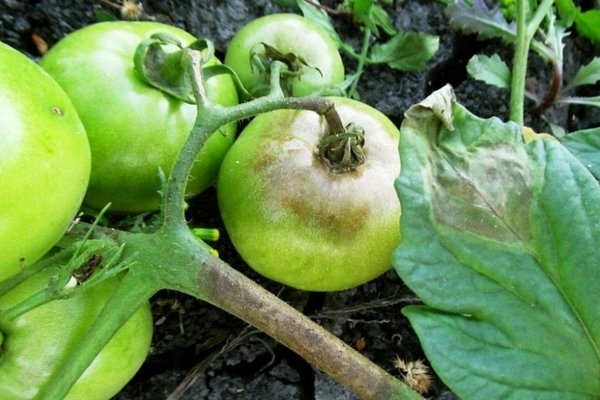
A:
[(216, 355)]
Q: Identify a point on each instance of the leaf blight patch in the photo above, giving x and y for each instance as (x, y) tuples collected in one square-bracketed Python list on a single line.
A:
[(510, 285)]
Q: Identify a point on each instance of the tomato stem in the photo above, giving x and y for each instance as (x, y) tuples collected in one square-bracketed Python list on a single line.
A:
[(262, 309), (526, 29)]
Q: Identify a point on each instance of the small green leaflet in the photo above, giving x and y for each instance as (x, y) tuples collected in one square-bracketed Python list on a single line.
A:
[(587, 75), (585, 101), (587, 22), (319, 17), (491, 70), (501, 242), (406, 51), (382, 19), (585, 145)]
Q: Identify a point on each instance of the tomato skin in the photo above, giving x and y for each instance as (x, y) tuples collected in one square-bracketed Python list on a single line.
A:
[(36, 343), (133, 128), (44, 162), (294, 221), (287, 33)]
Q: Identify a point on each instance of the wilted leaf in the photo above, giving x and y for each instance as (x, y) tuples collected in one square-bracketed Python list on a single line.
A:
[(501, 243)]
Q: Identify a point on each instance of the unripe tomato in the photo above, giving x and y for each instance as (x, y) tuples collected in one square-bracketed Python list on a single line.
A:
[(295, 221), (134, 129), (44, 162), (313, 51), (35, 343)]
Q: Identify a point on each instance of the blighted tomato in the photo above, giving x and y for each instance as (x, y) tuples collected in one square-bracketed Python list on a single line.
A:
[(294, 220)]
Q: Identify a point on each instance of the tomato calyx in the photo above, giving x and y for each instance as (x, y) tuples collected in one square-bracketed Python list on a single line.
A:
[(342, 152), (294, 65)]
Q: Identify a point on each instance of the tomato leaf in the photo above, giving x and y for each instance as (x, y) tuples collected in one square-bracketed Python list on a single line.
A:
[(589, 74), (588, 24), (477, 18), (319, 17), (585, 101), (491, 70), (500, 241), (382, 19), (585, 145), (406, 51)]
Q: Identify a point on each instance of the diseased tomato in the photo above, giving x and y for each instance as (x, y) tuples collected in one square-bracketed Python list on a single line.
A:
[(44, 162), (134, 129), (310, 52), (294, 220)]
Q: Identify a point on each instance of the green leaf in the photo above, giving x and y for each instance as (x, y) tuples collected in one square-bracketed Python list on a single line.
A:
[(478, 19), (500, 241), (491, 70), (585, 145), (104, 16), (486, 23), (587, 75), (588, 24), (584, 101), (407, 51), (567, 10), (321, 18), (382, 19)]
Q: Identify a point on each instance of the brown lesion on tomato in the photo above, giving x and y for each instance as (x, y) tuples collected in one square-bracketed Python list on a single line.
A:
[(57, 111), (318, 205), (87, 270)]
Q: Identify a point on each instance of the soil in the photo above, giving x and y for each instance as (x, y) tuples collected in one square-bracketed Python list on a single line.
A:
[(200, 352)]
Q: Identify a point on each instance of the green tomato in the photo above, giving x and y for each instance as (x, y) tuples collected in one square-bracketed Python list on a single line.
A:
[(134, 129), (44, 162), (36, 343), (296, 222), (314, 51)]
